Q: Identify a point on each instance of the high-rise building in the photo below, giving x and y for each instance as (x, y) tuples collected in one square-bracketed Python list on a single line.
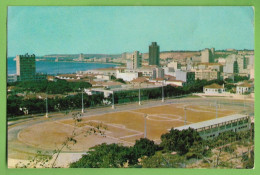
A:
[(137, 60), (25, 67), (186, 76), (158, 72), (154, 54), (207, 55), (129, 64)]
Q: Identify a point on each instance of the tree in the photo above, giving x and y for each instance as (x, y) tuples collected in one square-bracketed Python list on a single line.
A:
[(248, 160), (180, 141), (198, 150), (120, 80), (104, 156), (113, 77), (143, 147), (166, 160)]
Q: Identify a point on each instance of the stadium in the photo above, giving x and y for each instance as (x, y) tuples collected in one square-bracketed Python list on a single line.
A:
[(124, 124)]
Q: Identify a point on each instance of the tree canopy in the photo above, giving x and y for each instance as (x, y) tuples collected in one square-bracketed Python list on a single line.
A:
[(104, 156), (180, 141)]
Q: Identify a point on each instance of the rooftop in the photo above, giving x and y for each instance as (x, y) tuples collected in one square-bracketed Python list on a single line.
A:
[(212, 122), (210, 64), (126, 88), (245, 84), (139, 80), (109, 68), (214, 86)]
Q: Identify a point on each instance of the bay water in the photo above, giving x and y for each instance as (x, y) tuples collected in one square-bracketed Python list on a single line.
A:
[(54, 68)]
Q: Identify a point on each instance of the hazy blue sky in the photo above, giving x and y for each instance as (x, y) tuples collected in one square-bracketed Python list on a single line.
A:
[(63, 30)]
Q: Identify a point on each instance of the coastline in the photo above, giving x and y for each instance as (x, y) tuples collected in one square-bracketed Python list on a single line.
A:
[(61, 67), (79, 62)]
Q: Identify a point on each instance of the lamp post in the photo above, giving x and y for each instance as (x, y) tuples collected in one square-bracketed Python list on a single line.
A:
[(113, 100), (162, 93), (139, 93), (46, 115), (244, 103), (145, 132), (185, 116), (216, 109), (82, 102)]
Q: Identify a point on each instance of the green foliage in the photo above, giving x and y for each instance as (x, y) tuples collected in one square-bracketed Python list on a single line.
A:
[(113, 77), (180, 141), (198, 85), (198, 150), (224, 138), (229, 87), (13, 106), (104, 156), (34, 105), (160, 160), (115, 155), (120, 80), (237, 78), (144, 147), (169, 91), (51, 87), (248, 161)]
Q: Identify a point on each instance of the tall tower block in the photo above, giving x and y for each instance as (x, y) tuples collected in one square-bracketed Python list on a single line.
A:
[(25, 67), (154, 54)]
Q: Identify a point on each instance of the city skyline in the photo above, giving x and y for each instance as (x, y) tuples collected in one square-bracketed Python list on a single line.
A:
[(93, 30)]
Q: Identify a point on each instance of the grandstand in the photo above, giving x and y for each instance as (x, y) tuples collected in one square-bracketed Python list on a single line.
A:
[(212, 128)]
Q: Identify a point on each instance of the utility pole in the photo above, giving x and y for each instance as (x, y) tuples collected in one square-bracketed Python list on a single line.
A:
[(185, 116), (244, 104), (139, 94), (113, 100), (82, 110), (216, 109), (46, 106), (145, 115), (162, 93)]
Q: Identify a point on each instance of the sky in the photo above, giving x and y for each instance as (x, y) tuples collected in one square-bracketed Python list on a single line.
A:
[(114, 30)]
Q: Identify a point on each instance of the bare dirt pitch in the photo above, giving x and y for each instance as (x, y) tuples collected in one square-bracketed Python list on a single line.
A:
[(122, 127)]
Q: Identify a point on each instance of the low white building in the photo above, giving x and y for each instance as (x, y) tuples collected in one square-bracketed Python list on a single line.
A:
[(214, 89), (174, 82), (127, 76), (244, 88), (102, 77)]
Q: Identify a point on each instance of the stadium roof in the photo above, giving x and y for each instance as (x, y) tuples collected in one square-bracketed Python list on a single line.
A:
[(211, 122)]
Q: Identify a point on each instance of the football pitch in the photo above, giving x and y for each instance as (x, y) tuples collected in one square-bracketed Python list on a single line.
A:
[(126, 126)]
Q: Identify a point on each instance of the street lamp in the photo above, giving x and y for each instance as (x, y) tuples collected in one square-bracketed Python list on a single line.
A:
[(113, 100), (145, 132), (216, 109), (46, 115), (139, 93), (244, 103), (82, 110), (185, 116), (162, 93)]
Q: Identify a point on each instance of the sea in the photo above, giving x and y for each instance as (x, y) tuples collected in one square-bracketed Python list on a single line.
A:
[(54, 68)]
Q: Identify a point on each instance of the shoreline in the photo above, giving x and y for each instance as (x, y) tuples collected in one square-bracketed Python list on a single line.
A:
[(79, 62), (73, 62)]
